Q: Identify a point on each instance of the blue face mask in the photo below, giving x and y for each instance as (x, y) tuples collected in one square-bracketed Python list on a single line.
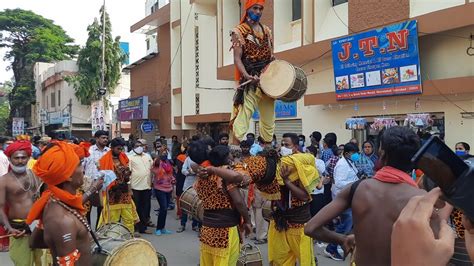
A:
[(461, 153), (253, 16), (355, 157)]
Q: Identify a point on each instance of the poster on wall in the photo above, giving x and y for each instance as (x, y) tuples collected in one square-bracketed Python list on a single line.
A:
[(380, 62), (18, 126), (98, 116), (133, 109)]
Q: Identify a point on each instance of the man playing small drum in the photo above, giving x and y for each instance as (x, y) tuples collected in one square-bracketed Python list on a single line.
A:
[(252, 44)]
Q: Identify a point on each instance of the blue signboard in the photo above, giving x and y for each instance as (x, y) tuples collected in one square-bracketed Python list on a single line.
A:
[(147, 127), (380, 62), (282, 110)]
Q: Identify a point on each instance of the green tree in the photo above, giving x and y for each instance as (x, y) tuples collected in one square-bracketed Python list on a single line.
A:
[(88, 80), (5, 89), (30, 38)]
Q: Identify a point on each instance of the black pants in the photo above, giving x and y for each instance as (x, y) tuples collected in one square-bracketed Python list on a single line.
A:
[(316, 204), (142, 199)]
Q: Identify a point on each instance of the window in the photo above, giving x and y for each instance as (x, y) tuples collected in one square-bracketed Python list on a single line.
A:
[(148, 44), (59, 98), (53, 99), (338, 2), (296, 6)]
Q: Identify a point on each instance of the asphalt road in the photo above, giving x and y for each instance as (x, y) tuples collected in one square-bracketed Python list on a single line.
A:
[(183, 248)]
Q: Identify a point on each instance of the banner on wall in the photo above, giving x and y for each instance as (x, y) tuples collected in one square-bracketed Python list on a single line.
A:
[(133, 109), (282, 110), (98, 116), (18, 126), (380, 62)]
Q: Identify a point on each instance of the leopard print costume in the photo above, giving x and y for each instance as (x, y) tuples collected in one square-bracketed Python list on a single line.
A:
[(256, 47), (119, 193), (456, 219), (257, 166), (214, 196)]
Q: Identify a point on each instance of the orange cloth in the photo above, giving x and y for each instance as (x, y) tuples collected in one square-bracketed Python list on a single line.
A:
[(57, 164), (19, 145), (54, 167), (181, 158), (82, 150), (107, 161), (389, 174)]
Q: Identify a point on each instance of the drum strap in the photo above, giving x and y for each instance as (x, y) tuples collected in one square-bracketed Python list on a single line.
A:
[(221, 218)]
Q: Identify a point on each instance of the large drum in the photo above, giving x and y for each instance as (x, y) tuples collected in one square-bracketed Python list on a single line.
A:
[(283, 81), (120, 252), (115, 231), (267, 211), (191, 204)]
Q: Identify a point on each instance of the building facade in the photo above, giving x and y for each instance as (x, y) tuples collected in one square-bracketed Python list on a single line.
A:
[(200, 63)]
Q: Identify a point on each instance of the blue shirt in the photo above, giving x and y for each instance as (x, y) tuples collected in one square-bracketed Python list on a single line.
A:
[(326, 155)]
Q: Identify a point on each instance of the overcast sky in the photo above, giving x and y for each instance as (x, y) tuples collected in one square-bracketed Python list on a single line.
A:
[(75, 15)]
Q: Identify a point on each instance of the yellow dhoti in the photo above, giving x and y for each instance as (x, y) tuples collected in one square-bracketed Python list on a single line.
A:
[(125, 213), (287, 247), (222, 256), (242, 114), (21, 253)]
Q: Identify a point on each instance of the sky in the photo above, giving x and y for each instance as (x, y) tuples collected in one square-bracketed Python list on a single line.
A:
[(75, 15)]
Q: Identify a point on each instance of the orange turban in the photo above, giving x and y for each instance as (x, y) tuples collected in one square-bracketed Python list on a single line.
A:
[(19, 145), (57, 164), (82, 150), (249, 4), (54, 167)]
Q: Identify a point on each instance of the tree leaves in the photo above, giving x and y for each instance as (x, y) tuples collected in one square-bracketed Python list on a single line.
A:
[(88, 80)]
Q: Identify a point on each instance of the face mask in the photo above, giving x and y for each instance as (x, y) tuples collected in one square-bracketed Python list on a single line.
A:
[(284, 151), (355, 157), (461, 153), (254, 17), (138, 150), (301, 143), (18, 169)]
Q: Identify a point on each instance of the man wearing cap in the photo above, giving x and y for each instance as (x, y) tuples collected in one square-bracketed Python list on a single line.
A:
[(91, 167), (252, 45), (18, 189), (60, 209), (140, 164)]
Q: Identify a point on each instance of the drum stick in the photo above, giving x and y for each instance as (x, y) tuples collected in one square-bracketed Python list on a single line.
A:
[(5, 236), (243, 84)]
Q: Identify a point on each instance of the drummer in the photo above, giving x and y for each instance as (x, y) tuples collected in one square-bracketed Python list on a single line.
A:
[(60, 208), (252, 45)]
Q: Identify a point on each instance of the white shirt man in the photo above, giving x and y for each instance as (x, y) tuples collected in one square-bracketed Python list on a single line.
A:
[(345, 173), (140, 164)]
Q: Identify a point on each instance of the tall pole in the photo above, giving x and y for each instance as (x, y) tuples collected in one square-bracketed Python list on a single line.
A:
[(70, 118), (102, 84)]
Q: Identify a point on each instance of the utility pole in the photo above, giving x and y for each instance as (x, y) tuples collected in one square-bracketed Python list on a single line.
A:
[(70, 117)]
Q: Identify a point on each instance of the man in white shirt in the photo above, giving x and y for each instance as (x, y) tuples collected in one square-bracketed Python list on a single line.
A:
[(345, 173), (91, 171), (140, 164), (3, 159)]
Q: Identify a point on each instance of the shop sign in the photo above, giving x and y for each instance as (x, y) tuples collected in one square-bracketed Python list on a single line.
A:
[(380, 62), (147, 127), (133, 109), (282, 110)]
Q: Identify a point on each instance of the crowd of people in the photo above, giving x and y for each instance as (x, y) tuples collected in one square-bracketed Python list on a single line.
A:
[(320, 193)]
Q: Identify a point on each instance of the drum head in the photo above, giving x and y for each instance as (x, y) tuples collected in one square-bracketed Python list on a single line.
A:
[(133, 252), (277, 79), (115, 231)]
